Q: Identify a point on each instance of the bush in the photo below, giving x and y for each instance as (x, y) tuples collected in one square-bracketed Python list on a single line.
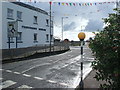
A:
[(106, 47)]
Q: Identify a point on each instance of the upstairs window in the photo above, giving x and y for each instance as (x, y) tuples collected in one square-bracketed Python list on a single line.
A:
[(10, 13), (19, 15), (35, 20)]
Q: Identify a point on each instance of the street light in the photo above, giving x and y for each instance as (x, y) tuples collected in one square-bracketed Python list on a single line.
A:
[(81, 36), (62, 26)]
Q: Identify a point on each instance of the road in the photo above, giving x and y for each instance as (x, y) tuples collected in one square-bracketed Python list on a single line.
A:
[(57, 71)]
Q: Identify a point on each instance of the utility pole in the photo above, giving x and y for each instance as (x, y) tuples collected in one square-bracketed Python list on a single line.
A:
[(50, 25)]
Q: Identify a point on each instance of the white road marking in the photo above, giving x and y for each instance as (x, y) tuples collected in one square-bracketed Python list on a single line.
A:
[(26, 75), (7, 84), (8, 71), (24, 86), (1, 69), (51, 81), (1, 78), (16, 72), (64, 84), (38, 78), (34, 67)]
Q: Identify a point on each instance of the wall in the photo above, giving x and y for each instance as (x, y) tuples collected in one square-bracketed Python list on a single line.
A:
[(0, 30)]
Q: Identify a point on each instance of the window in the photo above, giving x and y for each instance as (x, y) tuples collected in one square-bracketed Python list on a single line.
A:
[(47, 22), (35, 37), (19, 15), (47, 37), (51, 37), (19, 37), (9, 13), (35, 19)]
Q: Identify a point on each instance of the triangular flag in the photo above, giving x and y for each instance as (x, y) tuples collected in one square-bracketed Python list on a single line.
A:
[(85, 4), (74, 4), (67, 4), (63, 3), (59, 3), (50, 3), (70, 4)]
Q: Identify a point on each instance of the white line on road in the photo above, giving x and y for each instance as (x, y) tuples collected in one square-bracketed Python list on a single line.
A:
[(24, 86), (1, 78), (1, 69), (38, 78), (26, 75), (7, 84), (64, 84), (16, 72), (51, 81), (34, 67), (8, 71)]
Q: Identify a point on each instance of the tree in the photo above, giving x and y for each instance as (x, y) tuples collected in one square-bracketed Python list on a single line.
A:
[(106, 47)]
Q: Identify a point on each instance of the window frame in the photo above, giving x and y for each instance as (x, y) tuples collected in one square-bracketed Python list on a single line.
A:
[(19, 17), (35, 20), (47, 22), (47, 37), (10, 13), (35, 38)]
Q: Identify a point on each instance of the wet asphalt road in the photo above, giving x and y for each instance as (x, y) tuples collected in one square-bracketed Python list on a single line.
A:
[(57, 71)]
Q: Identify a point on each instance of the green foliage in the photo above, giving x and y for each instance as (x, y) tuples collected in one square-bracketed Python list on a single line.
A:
[(106, 47)]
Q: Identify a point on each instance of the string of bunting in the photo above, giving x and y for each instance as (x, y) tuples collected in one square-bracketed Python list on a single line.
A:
[(73, 3), (80, 4)]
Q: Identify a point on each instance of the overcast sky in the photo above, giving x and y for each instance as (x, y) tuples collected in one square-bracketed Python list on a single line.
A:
[(80, 18)]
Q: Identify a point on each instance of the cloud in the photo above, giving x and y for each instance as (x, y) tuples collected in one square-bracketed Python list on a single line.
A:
[(94, 25), (70, 26), (89, 17)]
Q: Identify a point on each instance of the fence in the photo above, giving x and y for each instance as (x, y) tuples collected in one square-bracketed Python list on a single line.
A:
[(24, 52)]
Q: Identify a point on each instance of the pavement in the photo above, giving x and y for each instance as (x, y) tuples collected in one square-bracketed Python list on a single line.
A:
[(91, 82)]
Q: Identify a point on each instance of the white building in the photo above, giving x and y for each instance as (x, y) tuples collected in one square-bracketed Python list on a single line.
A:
[(23, 26)]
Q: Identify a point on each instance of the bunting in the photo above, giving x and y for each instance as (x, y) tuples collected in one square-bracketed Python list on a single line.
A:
[(82, 4)]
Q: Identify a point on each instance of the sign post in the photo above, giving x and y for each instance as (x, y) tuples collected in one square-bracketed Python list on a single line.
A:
[(12, 31)]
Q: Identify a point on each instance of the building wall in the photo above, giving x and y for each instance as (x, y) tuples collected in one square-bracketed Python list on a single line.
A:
[(27, 20), (0, 25)]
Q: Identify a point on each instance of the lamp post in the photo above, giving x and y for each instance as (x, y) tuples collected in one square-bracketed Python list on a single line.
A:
[(62, 26), (81, 36)]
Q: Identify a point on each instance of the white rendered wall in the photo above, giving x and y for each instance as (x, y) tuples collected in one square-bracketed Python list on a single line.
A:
[(0, 25), (27, 34)]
